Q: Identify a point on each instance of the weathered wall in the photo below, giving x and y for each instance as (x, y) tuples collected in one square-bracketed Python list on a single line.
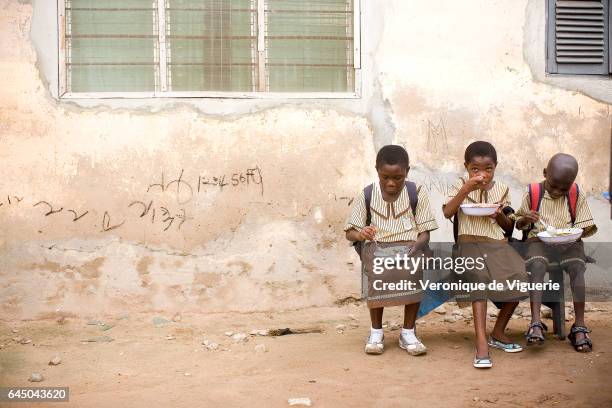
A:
[(116, 205)]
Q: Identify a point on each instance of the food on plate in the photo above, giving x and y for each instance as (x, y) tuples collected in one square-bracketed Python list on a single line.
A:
[(480, 205)]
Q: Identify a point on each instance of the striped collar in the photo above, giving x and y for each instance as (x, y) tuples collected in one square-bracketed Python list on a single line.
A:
[(386, 210)]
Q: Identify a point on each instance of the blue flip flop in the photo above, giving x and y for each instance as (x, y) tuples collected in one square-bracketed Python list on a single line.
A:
[(507, 347), (483, 362)]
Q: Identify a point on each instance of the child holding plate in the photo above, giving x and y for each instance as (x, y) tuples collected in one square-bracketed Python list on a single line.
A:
[(479, 202), (556, 210)]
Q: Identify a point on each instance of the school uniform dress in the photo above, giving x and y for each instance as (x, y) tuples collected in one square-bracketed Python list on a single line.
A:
[(397, 230), (555, 212), (484, 238)]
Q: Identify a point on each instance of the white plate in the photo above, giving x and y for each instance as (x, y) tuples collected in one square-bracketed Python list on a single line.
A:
[(471, 209), (573, 235)]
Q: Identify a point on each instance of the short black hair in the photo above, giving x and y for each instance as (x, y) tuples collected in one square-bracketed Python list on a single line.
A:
[(482, 149), (392, 154)]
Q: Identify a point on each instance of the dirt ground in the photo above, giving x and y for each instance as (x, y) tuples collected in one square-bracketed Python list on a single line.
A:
[(154, 361)]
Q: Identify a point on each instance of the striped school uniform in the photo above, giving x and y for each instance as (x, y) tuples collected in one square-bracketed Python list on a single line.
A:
[(555, 212), (396, 229), (481, 226), (483, 237)]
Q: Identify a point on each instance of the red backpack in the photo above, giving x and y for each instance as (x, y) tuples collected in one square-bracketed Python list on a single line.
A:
[(536, 192)]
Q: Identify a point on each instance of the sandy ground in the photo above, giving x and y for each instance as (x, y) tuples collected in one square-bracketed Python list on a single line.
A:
[(166, 365)]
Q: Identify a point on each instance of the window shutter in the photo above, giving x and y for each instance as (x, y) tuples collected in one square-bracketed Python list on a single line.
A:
[(578, 37)]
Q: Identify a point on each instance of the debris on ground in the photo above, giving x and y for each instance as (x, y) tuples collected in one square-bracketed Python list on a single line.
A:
[(36, 377), (259, 333), (240, 337), (305, 402), (99, 339), (210, 345), (347, 301), (287, 331), (160, 321), (440, 310)]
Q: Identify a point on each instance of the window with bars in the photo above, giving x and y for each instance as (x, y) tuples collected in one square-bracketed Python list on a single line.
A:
[(579, 37), (245, 48)]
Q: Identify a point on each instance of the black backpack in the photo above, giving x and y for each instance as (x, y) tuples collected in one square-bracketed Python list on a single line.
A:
[(367, 192)]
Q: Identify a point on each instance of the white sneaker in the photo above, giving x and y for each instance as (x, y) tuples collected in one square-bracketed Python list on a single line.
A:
[(414, 349), (373, 347)]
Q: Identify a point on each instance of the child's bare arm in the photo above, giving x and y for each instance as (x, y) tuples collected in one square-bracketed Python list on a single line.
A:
[(421, 241), (367, 232), (453, 204)]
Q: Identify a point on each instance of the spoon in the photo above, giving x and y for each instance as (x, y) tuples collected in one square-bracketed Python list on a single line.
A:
[(549, 228)]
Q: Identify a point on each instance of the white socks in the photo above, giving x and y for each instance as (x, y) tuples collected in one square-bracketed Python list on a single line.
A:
[(376, 335), (409, 336)]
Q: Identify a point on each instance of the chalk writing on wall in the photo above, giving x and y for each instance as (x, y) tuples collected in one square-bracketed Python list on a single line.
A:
[(11, 200), (185, 191), (182, 190), (436, 135)]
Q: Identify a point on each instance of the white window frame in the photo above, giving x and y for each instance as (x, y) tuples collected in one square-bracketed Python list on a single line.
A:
[(261, 53)]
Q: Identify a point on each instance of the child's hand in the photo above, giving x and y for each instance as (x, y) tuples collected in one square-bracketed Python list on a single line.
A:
[(531, 217), (497, 212), (474, 183), (367, 233)]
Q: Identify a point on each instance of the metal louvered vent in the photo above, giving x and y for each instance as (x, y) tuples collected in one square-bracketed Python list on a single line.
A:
[(579, 32)]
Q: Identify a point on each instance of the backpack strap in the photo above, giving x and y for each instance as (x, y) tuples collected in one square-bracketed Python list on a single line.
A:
[(535, 201), (572, 201), (507, 210), (455, 219), (367, 192), (535, 196), (413, 196)]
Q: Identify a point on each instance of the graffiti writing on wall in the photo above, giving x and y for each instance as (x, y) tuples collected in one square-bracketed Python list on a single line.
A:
[(154, 210), (185, 190)]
